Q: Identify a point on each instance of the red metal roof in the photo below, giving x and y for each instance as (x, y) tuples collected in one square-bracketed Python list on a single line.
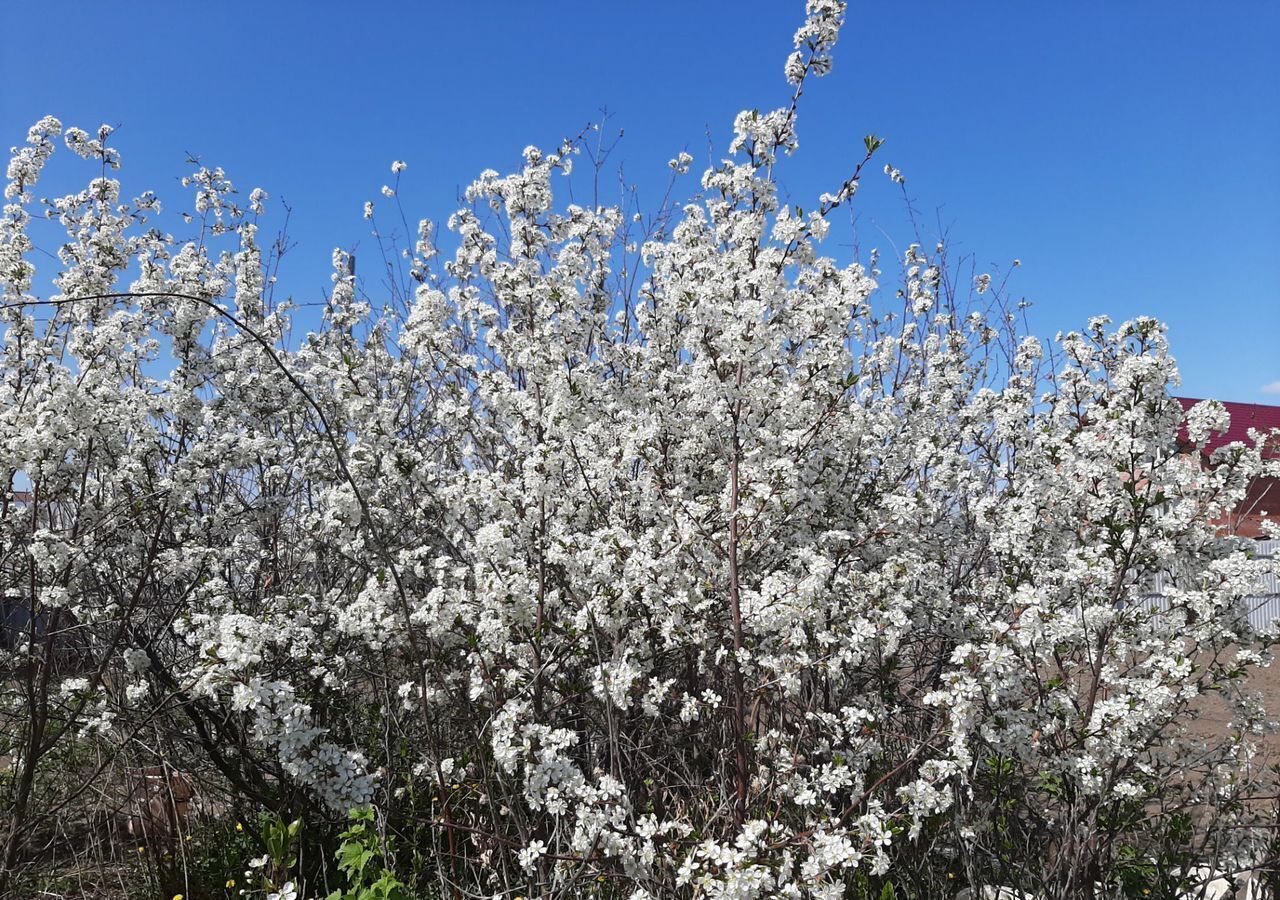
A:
[(1243, 417)]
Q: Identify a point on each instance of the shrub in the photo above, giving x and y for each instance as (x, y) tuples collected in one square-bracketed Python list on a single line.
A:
[(611, 555)]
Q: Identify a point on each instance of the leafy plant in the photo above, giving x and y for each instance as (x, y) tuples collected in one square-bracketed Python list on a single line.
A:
[(362, 859)]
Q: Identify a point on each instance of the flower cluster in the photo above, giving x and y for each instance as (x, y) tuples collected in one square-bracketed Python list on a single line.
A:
[(717, 572)]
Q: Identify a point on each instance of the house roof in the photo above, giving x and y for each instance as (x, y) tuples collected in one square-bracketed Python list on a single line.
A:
[(1243, 417)]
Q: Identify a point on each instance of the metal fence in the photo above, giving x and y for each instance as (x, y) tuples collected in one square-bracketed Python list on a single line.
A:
[(1263, 607)]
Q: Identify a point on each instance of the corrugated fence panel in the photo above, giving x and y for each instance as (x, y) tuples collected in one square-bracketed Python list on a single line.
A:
[(1264, 611), (1264, 607)]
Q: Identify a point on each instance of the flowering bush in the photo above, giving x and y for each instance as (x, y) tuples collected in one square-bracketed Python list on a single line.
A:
[(667, 564)]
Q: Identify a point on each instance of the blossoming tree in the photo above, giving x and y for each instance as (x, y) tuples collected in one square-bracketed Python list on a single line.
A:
[(616, 556)]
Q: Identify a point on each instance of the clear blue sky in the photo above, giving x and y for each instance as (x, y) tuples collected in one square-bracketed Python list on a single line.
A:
[(1128, 153)]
